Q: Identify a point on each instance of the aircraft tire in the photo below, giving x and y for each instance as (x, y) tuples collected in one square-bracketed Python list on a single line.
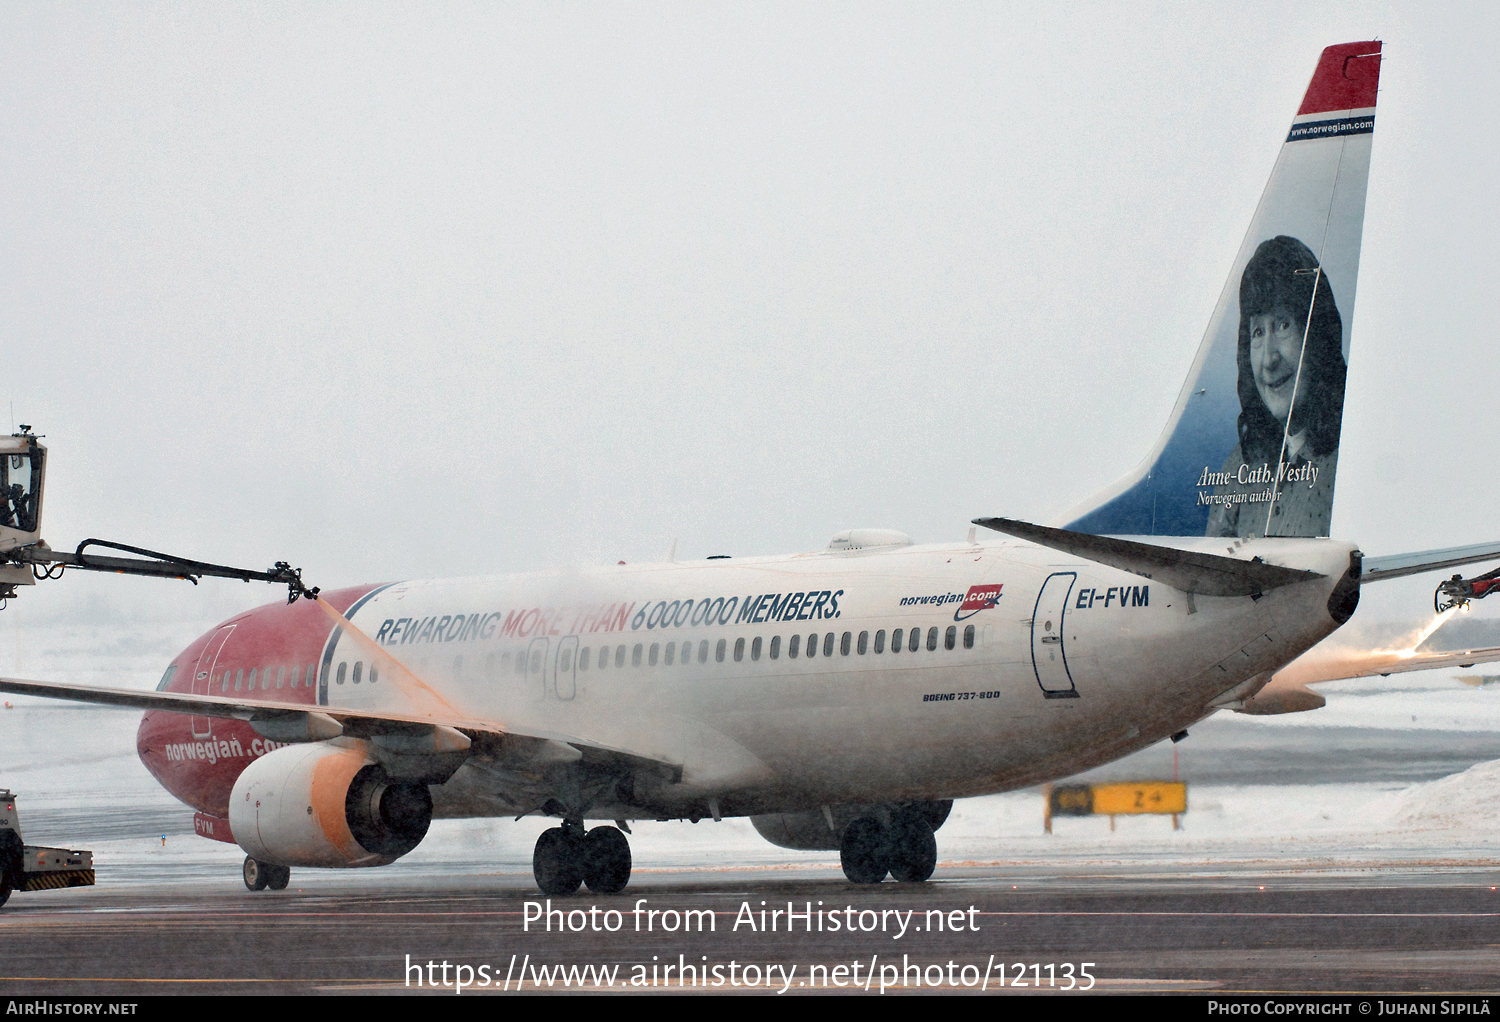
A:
[(557, 862), (865, 851), (914, 850), (606, 860), (277, 877), (255, 874)]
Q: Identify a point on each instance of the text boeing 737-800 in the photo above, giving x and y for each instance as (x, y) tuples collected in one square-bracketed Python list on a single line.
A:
[(840, 698)]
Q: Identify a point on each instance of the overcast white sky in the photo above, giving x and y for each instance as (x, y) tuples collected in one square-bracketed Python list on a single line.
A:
[(398, 291)]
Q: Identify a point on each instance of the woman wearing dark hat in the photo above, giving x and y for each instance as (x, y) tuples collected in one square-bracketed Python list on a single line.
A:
[(1291, 407)]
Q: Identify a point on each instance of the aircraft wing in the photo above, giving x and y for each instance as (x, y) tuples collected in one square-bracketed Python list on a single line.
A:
[(1368, 665), (1287, 691), (1378, 569), (301, 722)]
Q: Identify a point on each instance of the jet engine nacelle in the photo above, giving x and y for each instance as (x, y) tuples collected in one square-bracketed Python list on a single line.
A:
[(326, 804), (822, 831)]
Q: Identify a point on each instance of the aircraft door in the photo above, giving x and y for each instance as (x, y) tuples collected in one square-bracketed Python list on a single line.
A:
[(203, 676), (1049, 655), (538, 667), (566, 682)]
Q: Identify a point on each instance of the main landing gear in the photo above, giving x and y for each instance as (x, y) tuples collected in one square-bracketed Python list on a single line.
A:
[(905, 848), (261, 875), (567, 856)]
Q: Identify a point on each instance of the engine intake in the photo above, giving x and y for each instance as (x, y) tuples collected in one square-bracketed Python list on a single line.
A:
[(329, 804), (386, 816)]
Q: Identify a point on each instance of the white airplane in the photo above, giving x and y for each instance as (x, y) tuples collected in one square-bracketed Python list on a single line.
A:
[(840, 698)]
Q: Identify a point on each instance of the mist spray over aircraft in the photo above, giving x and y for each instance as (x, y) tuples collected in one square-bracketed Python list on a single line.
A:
[(840, 698)]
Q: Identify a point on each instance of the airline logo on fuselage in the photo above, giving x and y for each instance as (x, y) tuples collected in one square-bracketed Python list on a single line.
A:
[(976, 599)]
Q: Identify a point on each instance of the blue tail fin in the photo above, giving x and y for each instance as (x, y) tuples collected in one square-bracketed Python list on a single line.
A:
[(1252, 446)]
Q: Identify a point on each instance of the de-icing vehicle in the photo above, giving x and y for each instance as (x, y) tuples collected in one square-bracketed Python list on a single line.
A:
[(840, 698), (26, 867), (1457, 592)]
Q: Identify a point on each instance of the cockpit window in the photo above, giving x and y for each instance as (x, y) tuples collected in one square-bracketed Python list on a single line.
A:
[(166, 679)]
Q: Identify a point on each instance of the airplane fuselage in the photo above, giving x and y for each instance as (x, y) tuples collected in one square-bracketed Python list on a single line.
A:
[(778, 683)]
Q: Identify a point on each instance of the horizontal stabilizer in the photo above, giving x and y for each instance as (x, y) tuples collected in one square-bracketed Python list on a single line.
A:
[(1186, 570), (1378, 569)]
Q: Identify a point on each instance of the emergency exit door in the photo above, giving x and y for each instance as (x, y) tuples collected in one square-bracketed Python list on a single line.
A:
[(1049, 647)]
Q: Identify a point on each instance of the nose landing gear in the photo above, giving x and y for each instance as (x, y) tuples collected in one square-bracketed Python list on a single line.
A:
[(567, 856), (262, 875)]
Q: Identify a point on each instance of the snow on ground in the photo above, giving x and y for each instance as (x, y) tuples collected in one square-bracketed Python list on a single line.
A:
[(1403, 769)]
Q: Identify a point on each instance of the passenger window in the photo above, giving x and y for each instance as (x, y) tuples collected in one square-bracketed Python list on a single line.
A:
[(671, 652), (864, 642), (338, 678), (719, 652), (739, 650), (359, 669), (755, 648), (312, 673), (374, 674), (250, 682), (828, 644), (791, 646), (239, 678), (916, 640), (620, 656), (223, 682), (296, 676), (583, 658), (969, 637), (655, 652), (812, 645), (703, 652), (280, 676), (844, 643), (775, 646), (932, 638), (635, 655), (536, 661), (566, 660), (896, 641), (950, 637), (880, 641)]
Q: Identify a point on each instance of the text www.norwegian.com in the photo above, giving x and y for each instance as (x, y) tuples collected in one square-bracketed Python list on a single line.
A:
[(870, 975)]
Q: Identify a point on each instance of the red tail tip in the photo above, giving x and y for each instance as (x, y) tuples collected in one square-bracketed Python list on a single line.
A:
[(1346, 79)]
